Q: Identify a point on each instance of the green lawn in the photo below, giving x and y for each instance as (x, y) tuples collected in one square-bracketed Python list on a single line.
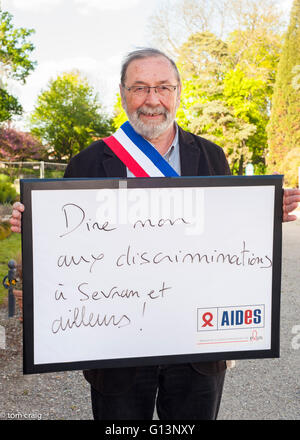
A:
[(10, 249)]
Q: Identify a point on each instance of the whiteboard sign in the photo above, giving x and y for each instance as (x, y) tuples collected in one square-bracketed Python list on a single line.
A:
[(147, 271)]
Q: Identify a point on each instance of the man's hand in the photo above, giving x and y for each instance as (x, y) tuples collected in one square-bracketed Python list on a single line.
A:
[(16, 216), (291, 198)]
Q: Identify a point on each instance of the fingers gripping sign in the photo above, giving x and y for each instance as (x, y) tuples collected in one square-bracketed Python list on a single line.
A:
[(16, 216), (291, 198)]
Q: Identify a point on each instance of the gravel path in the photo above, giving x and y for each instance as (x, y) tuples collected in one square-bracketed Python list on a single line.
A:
[(269, 389), (264, 389)]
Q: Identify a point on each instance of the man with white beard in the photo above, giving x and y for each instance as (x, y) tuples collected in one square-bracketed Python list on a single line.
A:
[(152, 144)]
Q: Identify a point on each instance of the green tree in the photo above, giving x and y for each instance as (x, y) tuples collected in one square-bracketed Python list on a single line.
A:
[(202, 62), (235, 65), (68, 116), (239, 73), (221, 126), (254, 50), (15, 63), (208, 104), (248, 98), (284, 126), (9, 105), (290, 166), (119, 116)]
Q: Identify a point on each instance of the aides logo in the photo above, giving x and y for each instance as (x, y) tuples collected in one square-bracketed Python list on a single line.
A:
[(229, 318)]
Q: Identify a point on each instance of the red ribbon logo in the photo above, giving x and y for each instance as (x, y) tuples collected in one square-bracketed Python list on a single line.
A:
[(207, 321)]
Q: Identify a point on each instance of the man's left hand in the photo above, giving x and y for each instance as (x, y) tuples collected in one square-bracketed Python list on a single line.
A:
[(291, 198)]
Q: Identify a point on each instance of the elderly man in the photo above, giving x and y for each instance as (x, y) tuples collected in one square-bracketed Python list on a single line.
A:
[(150, 91)]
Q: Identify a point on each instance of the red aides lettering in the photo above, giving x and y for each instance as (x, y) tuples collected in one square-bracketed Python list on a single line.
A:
[(241, 317)]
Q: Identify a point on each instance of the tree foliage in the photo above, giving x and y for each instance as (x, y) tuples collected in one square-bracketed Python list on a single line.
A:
[(231, 71), (219, 124), (239, 73), (174, 21), (284, 126), (233, 97), (68, 116), (15, 63), (119, 116), (9, 106)]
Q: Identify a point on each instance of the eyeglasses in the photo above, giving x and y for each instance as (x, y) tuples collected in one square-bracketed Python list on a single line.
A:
[(163, 90)]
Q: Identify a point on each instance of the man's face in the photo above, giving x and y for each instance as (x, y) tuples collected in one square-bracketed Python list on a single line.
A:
[(150, 114)]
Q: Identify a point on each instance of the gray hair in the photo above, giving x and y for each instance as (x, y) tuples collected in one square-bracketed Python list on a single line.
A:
[(145, 53)]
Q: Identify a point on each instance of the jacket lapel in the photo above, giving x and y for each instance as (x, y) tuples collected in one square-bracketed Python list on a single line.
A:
[(189, 154)]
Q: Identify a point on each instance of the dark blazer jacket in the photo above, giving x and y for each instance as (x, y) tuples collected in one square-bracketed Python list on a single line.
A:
[(198, 157)]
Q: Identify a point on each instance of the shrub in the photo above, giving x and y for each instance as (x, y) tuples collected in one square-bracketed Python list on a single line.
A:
[(8, 193), (5, 230), (4, 178)]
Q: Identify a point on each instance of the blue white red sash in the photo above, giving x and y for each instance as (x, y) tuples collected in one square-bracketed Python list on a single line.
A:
[(139, 156)]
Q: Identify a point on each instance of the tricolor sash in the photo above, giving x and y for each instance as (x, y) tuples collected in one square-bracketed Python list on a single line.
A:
[(139, 156)]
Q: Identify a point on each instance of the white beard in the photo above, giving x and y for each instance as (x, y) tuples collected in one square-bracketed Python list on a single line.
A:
[(150, 130)]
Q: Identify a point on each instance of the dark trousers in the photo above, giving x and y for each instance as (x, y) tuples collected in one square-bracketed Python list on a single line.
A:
[(181, 393)]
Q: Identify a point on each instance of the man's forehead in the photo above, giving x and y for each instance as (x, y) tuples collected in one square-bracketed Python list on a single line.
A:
[(157, 69)]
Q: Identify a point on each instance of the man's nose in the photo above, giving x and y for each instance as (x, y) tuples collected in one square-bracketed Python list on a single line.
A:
[(152, 97)]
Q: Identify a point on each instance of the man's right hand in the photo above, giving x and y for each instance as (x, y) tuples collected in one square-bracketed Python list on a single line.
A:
[(16, 216)]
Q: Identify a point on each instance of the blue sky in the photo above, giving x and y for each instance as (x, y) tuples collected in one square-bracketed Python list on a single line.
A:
[(89, 35)]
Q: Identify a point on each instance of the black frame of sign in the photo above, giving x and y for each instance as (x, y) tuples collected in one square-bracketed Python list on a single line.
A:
[(29, 185)]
